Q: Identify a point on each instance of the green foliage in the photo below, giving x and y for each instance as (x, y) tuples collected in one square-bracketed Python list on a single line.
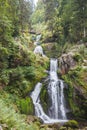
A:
[(46, 35), (38, 14), (26, 106), (18, 80), (72, 124), (4, 77), (44, 98), (66, 47), (76, 81), (51, 49), (40, 64), (3, 58), (20, 69), (50, 13), (14, 15), (5, 29), (78, 57), (70, 92), (29, 72), (62, 19), (12, 119), (63, 128), (83, 51), (66, 19)]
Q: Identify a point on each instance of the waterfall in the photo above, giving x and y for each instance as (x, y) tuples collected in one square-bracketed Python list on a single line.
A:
[(38, 38), (57, 112), (38, 49), (55, 90), (36, 100)]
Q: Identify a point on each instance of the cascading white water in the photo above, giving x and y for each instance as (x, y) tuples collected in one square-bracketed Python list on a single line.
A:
[(38, 49), (36, 100), (37, 39), (57, 111), (55, 90)]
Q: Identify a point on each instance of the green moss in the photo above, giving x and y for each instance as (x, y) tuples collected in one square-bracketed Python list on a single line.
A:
[(72, 124), (45, 98), (41, 65), (26, 106), (76, 81), (77, 57), (11, 118), (63, 128), (69, 93), (50, 49), (20, 70)]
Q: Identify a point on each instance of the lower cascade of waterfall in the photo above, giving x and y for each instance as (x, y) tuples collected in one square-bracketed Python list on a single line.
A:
[(57, 111)]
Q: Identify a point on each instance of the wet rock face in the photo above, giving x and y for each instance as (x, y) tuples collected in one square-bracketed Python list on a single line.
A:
[(66, 62)]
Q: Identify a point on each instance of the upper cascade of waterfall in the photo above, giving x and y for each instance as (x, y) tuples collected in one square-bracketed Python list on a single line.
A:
[(38, 49), (57, 110), (38, 38)]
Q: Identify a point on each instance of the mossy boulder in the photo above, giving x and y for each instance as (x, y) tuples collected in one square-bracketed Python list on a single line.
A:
[(45, 99), (71, 124), (63, 128)]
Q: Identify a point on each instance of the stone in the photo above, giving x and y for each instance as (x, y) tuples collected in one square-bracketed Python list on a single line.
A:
[(66, 62), (1, 128)]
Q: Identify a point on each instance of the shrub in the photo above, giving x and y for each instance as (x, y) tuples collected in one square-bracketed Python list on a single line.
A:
[(29, 72), (26, 106), (11, 118), (4, 77), (5, 28), (84, 39), (77, 57), (63, 128)]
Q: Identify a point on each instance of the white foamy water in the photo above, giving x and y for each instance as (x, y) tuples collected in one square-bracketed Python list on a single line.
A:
[(57, 111), (38, 49)]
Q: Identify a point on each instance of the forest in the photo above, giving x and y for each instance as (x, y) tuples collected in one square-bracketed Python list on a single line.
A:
[(43, 65)]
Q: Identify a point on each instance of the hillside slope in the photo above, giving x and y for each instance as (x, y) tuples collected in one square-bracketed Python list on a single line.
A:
[(20, 70), (73, 67)]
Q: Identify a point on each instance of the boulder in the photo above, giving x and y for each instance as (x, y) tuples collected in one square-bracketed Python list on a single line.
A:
[(66, 62)]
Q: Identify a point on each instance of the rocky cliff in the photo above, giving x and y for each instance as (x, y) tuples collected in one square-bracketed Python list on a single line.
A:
[(73, 68)]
